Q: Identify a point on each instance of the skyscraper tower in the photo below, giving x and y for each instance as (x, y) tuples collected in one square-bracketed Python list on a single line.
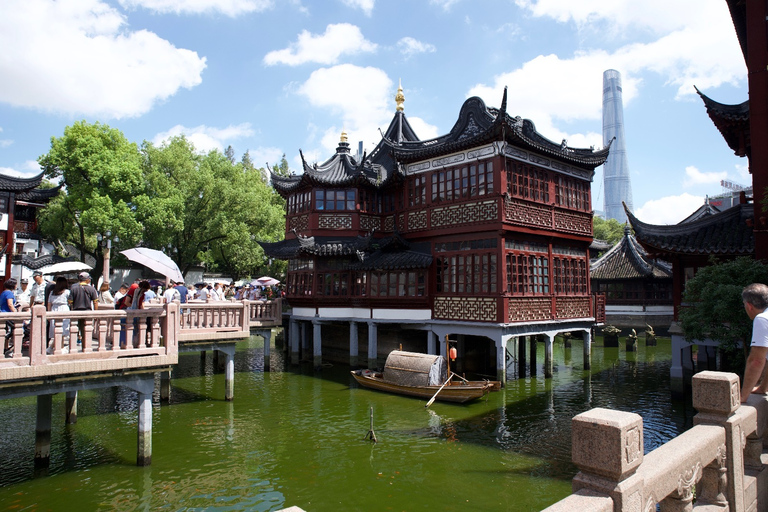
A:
[(616, 182)]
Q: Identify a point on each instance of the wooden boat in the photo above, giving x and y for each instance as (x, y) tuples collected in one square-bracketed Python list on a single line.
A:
[(422, 376), (453, 392)]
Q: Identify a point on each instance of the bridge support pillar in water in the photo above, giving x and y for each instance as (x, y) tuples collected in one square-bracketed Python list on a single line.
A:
[(293, 333), (267, 335), (354, 344), (373, 345), (317, 344), (70, 408), (144, 438), (43, 431)]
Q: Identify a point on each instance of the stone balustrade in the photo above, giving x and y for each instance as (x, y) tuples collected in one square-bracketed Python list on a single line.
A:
[(719, 464), (153, 336)]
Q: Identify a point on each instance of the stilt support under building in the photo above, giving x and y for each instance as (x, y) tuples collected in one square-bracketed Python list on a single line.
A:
[(317, 345), (587, 350), (293, 334), (354, 344), (548, 361), (373, 345)]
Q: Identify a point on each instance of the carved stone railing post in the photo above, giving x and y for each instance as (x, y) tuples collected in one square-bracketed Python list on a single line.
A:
[(716, 398), (607, 448)]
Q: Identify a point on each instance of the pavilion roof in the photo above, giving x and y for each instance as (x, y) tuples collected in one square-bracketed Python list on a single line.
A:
[(14, 184), (392, 252), (727, 233), (478, 124), (704, 210), (628, 260), (732, 121)]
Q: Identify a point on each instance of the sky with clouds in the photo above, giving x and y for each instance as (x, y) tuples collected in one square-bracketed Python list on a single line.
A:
[(273, 77)]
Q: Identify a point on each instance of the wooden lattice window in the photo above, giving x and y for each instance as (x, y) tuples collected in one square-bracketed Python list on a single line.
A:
[(527, 182)]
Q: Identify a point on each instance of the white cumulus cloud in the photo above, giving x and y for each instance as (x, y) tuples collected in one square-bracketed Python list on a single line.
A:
[(409, 46), (669, 210), (207, 138), (339, 39), (364, 5), (694, 177), (80, 58), (689, 43), (229, 7), (361, 97)]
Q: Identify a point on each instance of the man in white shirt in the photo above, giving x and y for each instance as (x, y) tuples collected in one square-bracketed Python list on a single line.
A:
[(755, 297), (23, 294), (171, 294), (37, 292)]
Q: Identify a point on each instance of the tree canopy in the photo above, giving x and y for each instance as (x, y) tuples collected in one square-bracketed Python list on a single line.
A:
[(198, 208), (609, 230), (712, 303)]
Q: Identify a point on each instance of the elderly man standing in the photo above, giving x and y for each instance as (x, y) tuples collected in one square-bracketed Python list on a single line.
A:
[(755, 297), (37, 292)]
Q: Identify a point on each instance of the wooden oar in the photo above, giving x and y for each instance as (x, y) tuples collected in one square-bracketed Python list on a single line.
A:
[(438, 391)]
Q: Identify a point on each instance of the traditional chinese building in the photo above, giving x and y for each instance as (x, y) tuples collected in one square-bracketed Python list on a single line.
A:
[(482, 234), (20, 198), (637, 288)]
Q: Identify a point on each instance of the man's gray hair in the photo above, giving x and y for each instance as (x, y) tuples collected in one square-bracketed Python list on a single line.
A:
[(756, 294)]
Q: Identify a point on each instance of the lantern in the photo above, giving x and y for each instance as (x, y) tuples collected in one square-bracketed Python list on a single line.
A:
[(452, 353)]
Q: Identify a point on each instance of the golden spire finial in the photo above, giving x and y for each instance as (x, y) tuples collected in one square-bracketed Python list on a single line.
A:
[(399, 97), (343, 136)]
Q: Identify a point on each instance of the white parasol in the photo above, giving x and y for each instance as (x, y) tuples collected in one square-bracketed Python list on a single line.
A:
[(65, 267), (155, 260), (266, 281)]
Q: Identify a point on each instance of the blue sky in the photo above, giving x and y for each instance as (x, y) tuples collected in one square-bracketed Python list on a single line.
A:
[(276, 76)]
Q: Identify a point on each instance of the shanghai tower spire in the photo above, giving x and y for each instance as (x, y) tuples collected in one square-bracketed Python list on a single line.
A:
[(616, 182)]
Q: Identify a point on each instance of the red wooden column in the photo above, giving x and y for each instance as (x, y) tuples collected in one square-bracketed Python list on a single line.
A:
[(757, 62)]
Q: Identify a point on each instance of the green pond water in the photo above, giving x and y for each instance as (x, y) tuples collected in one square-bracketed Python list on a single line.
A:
[(296, 437)]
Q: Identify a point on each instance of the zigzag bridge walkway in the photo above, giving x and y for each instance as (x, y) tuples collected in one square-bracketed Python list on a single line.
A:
[(155, 337)]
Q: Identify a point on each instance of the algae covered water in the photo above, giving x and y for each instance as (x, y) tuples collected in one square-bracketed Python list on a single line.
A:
[(296, 437)]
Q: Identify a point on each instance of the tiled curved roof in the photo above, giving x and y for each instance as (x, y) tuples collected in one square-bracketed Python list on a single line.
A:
[(41, 261), (727, 233), (13, 184), (317, 245), (628, 260), (478, 124), (394, 260), (732, 121), (39, 195)]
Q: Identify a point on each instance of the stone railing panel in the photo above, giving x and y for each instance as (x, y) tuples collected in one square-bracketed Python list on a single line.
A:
[(721, 460)]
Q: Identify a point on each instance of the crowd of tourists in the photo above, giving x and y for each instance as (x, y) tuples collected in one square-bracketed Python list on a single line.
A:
[(80, 295)]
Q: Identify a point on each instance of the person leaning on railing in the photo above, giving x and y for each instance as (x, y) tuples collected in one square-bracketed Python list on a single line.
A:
[(755, 297), (83, 297)]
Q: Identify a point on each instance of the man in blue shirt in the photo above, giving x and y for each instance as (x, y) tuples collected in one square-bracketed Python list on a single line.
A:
[(8, 305)]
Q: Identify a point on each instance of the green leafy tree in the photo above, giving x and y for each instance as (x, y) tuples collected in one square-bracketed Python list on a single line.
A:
[(204, 208), (281, 168), (609, 230), (714, 309), (102, 178)]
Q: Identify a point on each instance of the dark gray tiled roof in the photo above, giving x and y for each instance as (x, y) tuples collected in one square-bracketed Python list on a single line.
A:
[(727, 233), (478, 124), (13, 184), (628, 260)]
